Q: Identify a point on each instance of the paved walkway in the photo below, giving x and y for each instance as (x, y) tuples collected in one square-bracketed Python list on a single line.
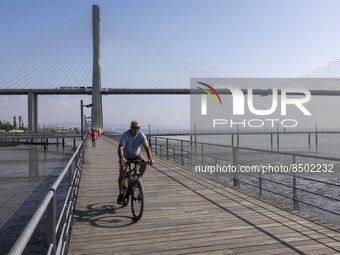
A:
[(185, 214)]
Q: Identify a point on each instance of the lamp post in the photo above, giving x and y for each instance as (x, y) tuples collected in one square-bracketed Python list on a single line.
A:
[(82, 116)]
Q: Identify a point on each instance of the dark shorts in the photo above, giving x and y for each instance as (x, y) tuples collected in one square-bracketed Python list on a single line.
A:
[(137, 157)]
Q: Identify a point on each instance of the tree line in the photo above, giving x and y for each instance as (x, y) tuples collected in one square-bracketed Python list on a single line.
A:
[(7, 126)]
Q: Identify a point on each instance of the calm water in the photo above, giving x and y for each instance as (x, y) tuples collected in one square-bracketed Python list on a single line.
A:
[(26, 174)]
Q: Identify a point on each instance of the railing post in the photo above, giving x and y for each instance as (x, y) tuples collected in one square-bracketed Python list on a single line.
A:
[(182, 161), (156, 152), (316, 135), (238, 137), (51, 224), (174, 152), (260, 183), (167, 149), (191, 159), (202, 159), (236, 182), (295, 196), (216, 162), (81, 119), (150, 136), (45, 146), (83, 151), (70, 172), (277, 137), (271, 141)]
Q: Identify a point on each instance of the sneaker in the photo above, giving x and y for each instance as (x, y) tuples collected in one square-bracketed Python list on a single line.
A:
[(120, 199)]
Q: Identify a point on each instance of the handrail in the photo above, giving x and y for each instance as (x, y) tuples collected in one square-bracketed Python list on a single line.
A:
[(174, 149), (244, 132), (35, 135), (27, 233), (49, 204), (254, 149), (62, 174)]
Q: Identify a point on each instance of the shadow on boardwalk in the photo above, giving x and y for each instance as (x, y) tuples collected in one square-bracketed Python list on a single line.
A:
[(185, 214), (104, 215)]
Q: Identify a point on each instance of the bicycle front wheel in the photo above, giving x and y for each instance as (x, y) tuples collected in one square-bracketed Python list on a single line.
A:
[(137, 199)]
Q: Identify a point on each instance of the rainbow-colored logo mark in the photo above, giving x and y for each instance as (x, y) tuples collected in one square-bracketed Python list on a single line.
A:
[(209, 91)]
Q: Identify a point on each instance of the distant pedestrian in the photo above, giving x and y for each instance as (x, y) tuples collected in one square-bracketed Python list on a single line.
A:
[(93, 137)]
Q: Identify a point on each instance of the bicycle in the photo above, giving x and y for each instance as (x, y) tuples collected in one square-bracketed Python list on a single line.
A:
[(134, 188)]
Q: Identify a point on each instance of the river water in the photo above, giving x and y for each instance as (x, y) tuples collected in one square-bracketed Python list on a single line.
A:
[(26, 174)]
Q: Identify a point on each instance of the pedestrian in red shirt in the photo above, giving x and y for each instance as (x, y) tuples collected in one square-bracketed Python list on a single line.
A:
[(93, 137)]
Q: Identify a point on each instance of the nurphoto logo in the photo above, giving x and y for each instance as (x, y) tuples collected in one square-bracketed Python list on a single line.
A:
[(220, 91)]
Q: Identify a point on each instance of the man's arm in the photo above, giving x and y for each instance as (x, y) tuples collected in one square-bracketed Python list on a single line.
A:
[(121, 153), (149, 153)]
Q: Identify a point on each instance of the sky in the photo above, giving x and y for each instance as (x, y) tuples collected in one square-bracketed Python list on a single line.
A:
[(243, 38)]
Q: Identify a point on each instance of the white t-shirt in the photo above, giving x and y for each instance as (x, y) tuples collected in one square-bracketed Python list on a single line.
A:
[(132, 144)]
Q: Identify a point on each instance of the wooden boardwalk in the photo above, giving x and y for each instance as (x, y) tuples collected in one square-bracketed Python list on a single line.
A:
[(185, 214)]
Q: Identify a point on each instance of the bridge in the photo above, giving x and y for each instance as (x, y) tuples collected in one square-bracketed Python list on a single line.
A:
[(82, 74)]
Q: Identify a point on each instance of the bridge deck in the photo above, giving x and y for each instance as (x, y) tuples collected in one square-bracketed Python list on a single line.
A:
[(185, 214)]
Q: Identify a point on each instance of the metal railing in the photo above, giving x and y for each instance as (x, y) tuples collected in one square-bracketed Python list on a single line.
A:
[(58, 227), (190, 153), (45, 139)]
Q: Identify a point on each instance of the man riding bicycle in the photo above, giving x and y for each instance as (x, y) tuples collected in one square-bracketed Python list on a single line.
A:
[(129, 149)]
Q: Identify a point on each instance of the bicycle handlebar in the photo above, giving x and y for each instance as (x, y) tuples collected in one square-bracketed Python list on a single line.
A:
[(138, 161)]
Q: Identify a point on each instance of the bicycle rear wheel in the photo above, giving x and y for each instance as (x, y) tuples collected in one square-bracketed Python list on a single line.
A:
[(137, 199)]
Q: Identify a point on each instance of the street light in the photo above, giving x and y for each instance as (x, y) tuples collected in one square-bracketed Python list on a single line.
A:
[(82, 116)]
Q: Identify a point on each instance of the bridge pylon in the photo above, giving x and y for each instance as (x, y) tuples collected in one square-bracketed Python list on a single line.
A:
[(32, 103), (97, 109)]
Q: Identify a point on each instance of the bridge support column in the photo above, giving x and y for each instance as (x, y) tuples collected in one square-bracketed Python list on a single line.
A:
[(32, 112), (97, 110)]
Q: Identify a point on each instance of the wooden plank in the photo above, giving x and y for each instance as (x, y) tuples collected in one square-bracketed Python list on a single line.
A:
[(184, 214)]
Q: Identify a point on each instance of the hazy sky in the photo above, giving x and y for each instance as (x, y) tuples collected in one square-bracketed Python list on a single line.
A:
[(241, 38)]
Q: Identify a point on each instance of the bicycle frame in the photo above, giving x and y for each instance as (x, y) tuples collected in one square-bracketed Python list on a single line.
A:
[(132, 172), (134, 189)]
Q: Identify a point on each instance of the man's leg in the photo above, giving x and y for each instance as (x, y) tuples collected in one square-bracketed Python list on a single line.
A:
[(121, 178), (121, 183), (142, 168)]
